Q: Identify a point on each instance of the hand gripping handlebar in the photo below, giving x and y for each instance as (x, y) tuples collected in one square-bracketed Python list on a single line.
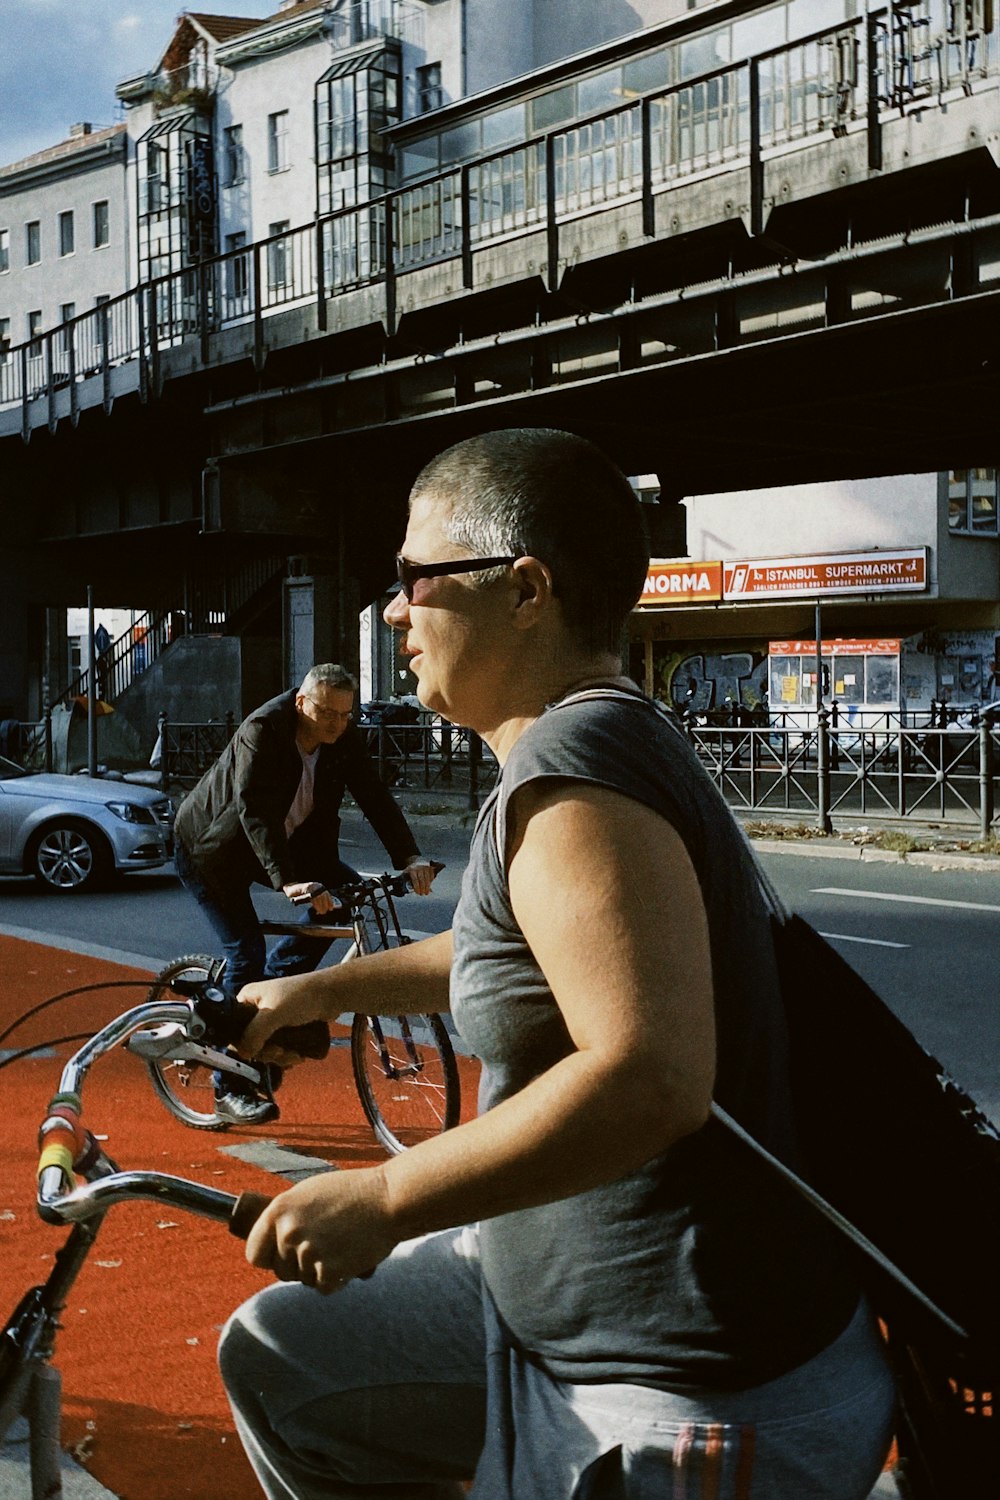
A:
[(226, 1020)]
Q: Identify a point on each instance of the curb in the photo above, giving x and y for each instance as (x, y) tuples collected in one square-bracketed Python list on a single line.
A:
[(15, 1479), (68, 944), (866, 853)]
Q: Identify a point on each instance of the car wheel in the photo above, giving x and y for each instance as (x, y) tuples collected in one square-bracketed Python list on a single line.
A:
[(70, 857)]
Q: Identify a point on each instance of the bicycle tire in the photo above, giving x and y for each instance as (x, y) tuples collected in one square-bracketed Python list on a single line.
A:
[(186, 1088), (406, 1077)]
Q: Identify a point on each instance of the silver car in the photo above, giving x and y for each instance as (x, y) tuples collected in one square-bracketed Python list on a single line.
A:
[(73, 832)]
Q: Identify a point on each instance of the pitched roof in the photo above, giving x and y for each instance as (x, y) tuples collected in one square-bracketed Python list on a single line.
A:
[(224, 28), (64, 148)]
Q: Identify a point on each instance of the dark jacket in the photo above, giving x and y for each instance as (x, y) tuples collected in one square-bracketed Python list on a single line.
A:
[(232, 824)]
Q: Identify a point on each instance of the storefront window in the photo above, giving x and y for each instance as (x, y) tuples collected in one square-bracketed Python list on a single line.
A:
[(553, 108), (703, 54), (503, 126), (419, 158), (758, 33), (883, 679), (461, 142), (849, 679), (602, 91), (785, 683), (644, 74)]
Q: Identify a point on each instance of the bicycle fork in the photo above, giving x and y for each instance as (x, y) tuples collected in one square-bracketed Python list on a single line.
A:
[(389, 1068), (30, 1386)]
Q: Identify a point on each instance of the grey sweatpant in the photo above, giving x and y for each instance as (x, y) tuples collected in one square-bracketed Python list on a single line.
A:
[(398, 1388)]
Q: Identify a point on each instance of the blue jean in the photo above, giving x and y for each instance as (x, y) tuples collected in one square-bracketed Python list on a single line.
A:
[(235, 923), (400, 1386)]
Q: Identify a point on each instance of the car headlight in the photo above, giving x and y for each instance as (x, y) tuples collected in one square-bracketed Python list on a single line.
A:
[(129, 812)]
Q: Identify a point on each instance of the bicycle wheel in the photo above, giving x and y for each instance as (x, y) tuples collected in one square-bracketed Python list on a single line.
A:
[(406, 1077), (186, 1088)]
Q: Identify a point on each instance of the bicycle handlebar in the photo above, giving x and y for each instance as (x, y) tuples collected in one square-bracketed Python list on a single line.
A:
[(355, 892), (67, 1148)]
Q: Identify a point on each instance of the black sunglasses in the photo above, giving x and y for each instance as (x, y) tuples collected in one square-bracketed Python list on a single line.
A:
[(408, 572)]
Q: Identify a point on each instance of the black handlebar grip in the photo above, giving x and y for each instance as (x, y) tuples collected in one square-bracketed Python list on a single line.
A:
[(311, 1040), (246, 1211), (226, 1021)]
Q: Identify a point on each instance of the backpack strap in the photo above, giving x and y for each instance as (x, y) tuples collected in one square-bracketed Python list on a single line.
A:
[(861, 1241)]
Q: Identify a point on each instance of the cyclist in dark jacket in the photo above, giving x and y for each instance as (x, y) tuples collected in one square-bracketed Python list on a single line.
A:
[(268, 813)]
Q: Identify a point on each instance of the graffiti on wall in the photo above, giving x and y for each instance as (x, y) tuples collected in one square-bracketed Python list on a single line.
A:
[(705, 682)]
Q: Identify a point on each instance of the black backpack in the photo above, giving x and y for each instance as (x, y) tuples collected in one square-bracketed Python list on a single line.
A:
[(908, 1167)]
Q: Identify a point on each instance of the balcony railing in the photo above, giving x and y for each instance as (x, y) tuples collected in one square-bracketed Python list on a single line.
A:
[(852, 77)]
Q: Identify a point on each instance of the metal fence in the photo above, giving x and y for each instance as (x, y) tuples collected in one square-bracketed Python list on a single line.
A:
[(927, 774), (427, 754), (817, 771), (184, 752), (432, 755)]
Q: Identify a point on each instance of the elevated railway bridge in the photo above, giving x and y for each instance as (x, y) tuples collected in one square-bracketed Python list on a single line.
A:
[(767, 257)]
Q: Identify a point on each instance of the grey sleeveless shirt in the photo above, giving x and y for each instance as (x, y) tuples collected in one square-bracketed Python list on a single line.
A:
[(699, 1271)]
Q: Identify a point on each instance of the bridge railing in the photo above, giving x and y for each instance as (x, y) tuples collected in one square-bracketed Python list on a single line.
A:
[(850, 76)]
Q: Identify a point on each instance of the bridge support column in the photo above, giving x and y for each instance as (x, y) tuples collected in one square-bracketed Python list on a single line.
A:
[(320, 622)]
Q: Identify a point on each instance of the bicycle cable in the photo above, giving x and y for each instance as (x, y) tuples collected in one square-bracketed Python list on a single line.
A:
[(83, 989), (56, 1041)]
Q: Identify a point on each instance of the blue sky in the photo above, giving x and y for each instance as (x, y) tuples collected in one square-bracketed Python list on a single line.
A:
[(60, 60)]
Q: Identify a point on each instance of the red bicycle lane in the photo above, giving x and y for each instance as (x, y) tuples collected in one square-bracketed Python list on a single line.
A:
[(143, 1406)]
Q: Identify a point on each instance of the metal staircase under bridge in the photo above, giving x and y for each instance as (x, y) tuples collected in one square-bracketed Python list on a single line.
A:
[(217, 604)]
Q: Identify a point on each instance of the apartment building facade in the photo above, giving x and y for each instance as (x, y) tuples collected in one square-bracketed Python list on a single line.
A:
[(65, 231)]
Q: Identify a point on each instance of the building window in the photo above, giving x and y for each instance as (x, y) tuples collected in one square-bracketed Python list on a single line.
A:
[(33, 242), (233, 153), (4, 250), (66, 315), (102, 232), (237, 268), (155, 172), (277, 256), (4, 340), (973, 507), (67, 235), (277, 141), (34, 335), (338, 121), (430, 95)]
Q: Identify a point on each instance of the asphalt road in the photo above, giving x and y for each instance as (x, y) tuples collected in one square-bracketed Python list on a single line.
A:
[(151, 918), (926, 939)]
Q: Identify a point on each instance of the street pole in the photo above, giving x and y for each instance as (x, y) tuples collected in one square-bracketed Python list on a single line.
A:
[(91, 687), (819, 656), (823, 821)]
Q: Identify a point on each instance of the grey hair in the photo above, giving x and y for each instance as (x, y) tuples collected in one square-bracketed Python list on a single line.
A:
[(328, 674), (538, 492)]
